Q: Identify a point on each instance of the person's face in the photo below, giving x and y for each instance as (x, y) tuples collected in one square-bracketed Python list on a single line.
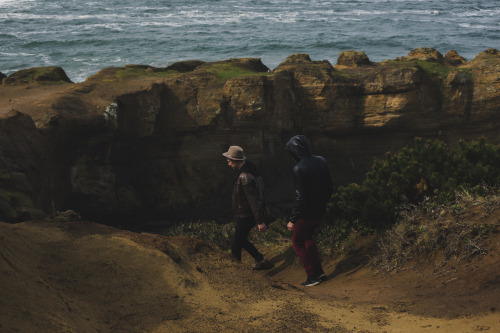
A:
[(233, 164)]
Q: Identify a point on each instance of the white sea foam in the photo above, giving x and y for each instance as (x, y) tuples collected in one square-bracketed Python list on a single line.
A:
[(20, 54), (45, 59), (62, 18), (159, 24), (494, 12), (110, 26), (64, 32), (474, 26), (17, 3)]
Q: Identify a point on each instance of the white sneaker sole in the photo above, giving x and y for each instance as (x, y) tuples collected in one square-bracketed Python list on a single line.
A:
[(312, 284)]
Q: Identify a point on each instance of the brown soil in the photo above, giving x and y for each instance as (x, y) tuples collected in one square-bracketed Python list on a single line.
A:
[(26, 98), (86, 277)]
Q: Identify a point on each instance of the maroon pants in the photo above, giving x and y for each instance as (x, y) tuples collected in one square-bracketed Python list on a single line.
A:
[(305, 246)]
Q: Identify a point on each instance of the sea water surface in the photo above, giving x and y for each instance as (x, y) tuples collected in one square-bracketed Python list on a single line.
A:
[(84, 37)]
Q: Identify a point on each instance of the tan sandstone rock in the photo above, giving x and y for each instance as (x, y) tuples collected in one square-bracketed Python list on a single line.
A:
[(140, 141)]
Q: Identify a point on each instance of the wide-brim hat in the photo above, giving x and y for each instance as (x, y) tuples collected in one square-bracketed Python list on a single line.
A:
[(235, 153)]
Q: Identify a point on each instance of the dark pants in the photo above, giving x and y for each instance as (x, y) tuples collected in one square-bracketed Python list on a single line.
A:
[(305, 246), (240, 241)]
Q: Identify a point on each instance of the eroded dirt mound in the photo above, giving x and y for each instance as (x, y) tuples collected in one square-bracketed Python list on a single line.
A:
[(86, 277)]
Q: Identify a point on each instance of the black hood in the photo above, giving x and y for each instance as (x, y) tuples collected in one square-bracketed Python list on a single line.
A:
[(299, 147)]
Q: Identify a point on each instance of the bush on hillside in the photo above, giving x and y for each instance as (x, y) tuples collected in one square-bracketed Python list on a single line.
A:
[(426, 169)]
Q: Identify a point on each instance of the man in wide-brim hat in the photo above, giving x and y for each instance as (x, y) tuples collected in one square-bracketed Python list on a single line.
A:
[(248, 205)]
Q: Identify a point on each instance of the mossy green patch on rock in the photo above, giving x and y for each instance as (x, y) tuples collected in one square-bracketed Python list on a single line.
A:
[(45, 75), (226, 71), (234, 67), (15, 182), (434, 68), (134, 71), (10, 201), (184, 66)]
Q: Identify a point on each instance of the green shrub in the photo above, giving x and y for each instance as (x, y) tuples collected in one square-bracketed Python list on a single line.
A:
[(426, 169), (477, 162)]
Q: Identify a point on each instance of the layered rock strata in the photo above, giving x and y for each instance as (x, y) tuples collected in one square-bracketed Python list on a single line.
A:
[(144, 142)]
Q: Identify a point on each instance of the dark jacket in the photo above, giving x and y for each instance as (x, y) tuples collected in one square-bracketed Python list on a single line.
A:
[(313, 184), (248, 194)]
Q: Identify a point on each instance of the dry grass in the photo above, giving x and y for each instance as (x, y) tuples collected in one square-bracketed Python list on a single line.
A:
[(440, 235)]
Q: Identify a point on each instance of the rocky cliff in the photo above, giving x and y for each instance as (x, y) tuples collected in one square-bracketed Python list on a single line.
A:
[(145, 142)]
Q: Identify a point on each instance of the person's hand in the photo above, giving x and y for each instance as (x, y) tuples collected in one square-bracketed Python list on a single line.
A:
[(262, 227), (290, 226)]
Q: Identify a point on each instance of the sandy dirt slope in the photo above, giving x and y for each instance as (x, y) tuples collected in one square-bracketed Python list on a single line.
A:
[(85, 277)]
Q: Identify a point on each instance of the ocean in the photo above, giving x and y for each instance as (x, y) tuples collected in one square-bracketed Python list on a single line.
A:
[(84, 37)]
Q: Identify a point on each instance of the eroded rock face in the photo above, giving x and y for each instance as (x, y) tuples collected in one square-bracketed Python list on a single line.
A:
[(353, 59), (22, 167), (452, 58), (425, 54), (145, 142)]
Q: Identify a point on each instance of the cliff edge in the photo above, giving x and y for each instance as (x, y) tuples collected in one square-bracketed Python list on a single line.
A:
[(145, 142)]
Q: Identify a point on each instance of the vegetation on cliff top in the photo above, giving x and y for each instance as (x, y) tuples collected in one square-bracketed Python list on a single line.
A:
[(225, 71), (425, 169), (414, 202), (142, 71), (222, 70), (439, 70), (41, 75)]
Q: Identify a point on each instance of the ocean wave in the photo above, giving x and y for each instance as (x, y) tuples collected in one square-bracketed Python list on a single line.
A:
[(477, 12), (17, 54), (83, 36), (8, 36), (479, 26), (159, 24), (7, 3), (57, 17)]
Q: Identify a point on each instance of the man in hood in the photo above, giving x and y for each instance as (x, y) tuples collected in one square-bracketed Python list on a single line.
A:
[(313, 188), (248, 205)]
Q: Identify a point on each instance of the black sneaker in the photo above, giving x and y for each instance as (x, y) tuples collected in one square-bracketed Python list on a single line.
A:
[(322, 277), (263, 264), (311, 281)]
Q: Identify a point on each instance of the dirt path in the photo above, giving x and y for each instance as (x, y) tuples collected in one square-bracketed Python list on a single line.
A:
[(84, 277)]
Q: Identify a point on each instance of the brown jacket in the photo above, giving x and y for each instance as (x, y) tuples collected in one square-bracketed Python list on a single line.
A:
[(248, 198)]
